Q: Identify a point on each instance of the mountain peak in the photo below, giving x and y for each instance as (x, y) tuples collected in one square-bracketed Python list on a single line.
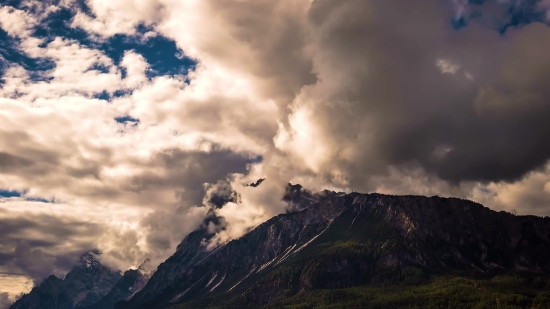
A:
[(90, 259), (327, 240), (84, 285), (339, 240)]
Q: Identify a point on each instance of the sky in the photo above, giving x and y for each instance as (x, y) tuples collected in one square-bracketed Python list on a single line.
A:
[(122, 122)]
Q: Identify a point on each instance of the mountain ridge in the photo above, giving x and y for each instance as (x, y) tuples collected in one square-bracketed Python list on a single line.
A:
[(89, 285), (337, 240), (432, 233)]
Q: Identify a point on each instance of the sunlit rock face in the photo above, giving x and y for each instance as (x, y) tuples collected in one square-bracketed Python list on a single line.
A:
[(339, 240), (88, 285)]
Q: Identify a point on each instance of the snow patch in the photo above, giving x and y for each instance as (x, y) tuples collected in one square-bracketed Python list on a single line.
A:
[(180, 295), (250, 273), (311, 240), (266, 264), (212, 279), (352, 222), (286, 255), (175, 299), (217, 285)]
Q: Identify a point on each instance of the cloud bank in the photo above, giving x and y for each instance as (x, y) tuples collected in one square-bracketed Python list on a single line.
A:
[(121, 119)]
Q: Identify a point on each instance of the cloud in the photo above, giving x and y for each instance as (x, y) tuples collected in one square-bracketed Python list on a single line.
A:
[(379, 100), (252, 206), (108, 21), (134, 153), (16, 23), (37, 244), (128, 190), (529, 196), (13, 287), (5, 302), (34, 262)]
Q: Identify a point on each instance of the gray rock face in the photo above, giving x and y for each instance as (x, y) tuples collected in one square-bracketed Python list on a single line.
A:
[(326, 240), (131, 282), (340, 240), (189, 252), (84, 285), (89, 285)]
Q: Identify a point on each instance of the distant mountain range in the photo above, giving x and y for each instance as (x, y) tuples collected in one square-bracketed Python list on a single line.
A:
[(334, 249), (88, 285)]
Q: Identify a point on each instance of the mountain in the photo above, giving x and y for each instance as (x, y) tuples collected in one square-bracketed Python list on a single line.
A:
[(131, 282), (84, 285), (348, 242), (334, 250), (88, 285)]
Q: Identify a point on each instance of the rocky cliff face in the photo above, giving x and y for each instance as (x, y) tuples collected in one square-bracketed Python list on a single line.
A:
[(88, 285), (340, 240), (84, 285), (327, 240), (131, 282)]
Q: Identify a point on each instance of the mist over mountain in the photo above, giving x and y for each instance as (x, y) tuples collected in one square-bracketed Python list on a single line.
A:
[(327, 241), (88, 285)]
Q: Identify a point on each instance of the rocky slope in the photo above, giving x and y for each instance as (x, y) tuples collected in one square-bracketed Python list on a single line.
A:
[(88, 285), (341, 240), (326, 241), (131, 282)]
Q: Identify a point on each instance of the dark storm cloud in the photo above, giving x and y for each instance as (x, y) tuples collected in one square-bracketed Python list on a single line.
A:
[(383, 91), (26, 159), (10, 163), (34, 263), (40, 245), (188, 171), (220, 193)]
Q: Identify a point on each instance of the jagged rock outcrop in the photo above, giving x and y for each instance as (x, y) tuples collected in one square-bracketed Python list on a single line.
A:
[(131, 282), (340, 240), (84, 285), (88, 285), (327, 240), (189, 252)]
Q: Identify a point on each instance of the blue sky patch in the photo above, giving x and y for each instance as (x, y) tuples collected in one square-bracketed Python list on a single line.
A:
[(484, 190), (38, 199), (82, 6), (161, 53), (99, 67), (462, 21), (104, 95), (257, 159), (524, 13), (127, 119), (514, 14), (9, 54), (8, 193), (14, 3), (58, 24)]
